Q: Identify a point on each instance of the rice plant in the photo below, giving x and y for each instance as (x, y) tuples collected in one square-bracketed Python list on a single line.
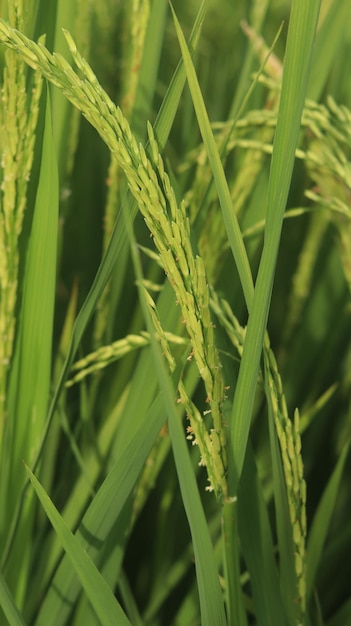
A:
[(175, 276)]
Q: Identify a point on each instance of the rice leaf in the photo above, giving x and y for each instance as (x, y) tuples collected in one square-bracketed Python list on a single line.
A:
[(8, 606), (31, 371), (229, 217), (149, 67), (337, 15), (302, 26), (30, 379), (99, 593), (102, 514)]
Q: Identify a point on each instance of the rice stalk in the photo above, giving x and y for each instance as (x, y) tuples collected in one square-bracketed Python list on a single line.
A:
[(246, 174)]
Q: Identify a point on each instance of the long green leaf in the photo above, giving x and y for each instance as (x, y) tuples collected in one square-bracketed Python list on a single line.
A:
[(31, 368), (328, 42), (30, 381), (65, 17), (8, 606), (302, 26), (102, 514), (99, 593), (149, 67), (229, 217)]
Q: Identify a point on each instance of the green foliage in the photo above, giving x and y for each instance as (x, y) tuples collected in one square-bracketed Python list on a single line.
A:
[(174, 310)]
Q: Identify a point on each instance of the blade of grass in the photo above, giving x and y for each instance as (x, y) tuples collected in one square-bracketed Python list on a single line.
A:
[(229, 217), (60, 106), (256, 20), (328, 40), (31, 369), (102, 514), (8, 606), (99, 593), (30, 380), (149, 67), (302, 26), (169, 106)]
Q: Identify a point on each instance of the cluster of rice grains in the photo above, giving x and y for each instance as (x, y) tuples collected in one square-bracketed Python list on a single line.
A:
[(168, 225), (288, 433)]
